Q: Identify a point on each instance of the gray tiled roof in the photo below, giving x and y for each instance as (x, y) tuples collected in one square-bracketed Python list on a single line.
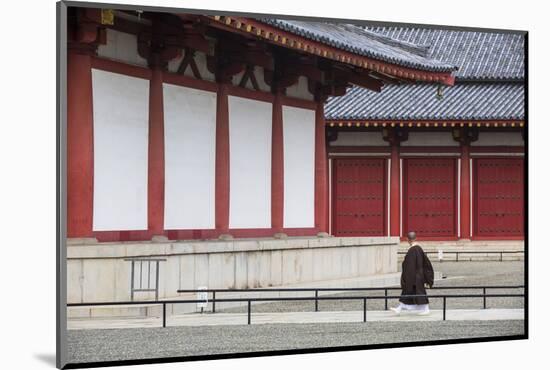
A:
[(479, 55), (363, 42), (467, 100)]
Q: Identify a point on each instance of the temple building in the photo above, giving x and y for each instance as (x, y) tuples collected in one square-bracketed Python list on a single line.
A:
[(240, 152), (445, 161), (195, 127)]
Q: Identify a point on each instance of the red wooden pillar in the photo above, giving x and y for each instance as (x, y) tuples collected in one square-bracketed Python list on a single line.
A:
[(277, 166), (222, 160), (321, 181), (465, 191), (155, 199), (80, 155), (395, 189)]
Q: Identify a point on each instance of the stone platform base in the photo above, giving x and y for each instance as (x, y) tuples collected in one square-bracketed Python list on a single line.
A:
[(102, 272)]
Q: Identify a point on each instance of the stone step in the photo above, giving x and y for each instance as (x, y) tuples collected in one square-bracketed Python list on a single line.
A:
[(490, 247), (513, 245)]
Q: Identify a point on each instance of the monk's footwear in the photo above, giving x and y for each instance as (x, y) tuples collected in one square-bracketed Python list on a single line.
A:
[(396, 310)]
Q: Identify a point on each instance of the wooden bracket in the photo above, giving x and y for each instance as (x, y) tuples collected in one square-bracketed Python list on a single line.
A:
[(395, 135), (465, 135), (249, 75), (189, 61)]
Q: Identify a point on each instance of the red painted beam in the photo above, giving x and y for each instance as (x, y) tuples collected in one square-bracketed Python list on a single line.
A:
[(277, 167), (465, 191), (321, 178), (222, 160), (155, 189), (366, 82), (80, 155), (395, 196)]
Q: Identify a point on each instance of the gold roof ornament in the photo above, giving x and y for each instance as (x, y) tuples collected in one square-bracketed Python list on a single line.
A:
[(107, 17), (439, 92)]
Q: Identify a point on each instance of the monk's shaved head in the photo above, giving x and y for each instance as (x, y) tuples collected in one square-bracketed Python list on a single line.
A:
[(411, 235)]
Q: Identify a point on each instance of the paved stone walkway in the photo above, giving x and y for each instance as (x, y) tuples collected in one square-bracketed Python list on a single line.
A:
[(294, 318)]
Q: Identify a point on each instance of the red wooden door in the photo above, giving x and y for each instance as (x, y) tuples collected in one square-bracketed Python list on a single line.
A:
[(359, 197), (429, 197), (498, 196)]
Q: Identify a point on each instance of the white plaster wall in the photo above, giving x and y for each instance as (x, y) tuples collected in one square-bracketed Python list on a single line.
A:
[(359, 139), (300, 90), (250, 163), (121, 132), (190, 158), (236, 80), (499, 138), (299, 167), (259, 73), (430, 139), (200, 60), (174, 64), (121, 46)]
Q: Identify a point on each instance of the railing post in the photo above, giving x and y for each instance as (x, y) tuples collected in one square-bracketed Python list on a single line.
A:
[(163, 314), (364, 309), (484, 298), (386, 299), (500, 256), (249, 312), (214, 301), (316, 300), (456, 256), (157, 282), (444, 307), (132, 283)]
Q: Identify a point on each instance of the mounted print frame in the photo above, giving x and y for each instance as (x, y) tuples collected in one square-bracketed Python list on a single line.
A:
[(321, 184)]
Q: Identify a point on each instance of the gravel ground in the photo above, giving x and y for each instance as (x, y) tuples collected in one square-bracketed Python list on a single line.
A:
[(456, 273), (144, 343), (122, 344)]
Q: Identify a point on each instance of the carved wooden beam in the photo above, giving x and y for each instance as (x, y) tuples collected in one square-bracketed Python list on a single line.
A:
[(311, 72), (359, 79), (84, 31), (223, 69), (366, 82), (465, 135), (189, 61), (332, 135), (249, 75), (161, 43), (388, 79), (395, 135), (280, 80)]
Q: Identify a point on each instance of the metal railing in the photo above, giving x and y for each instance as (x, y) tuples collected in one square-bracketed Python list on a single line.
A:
[(467, 252), (316, 298), (317, 290)]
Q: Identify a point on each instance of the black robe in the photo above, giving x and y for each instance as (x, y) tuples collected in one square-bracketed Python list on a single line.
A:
[(417, 270)]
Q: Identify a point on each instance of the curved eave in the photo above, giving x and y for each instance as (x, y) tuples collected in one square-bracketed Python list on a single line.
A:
[(426, 123), (289, 40)]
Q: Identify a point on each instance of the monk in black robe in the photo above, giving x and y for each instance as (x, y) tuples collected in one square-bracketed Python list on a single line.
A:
[(417, 273)]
